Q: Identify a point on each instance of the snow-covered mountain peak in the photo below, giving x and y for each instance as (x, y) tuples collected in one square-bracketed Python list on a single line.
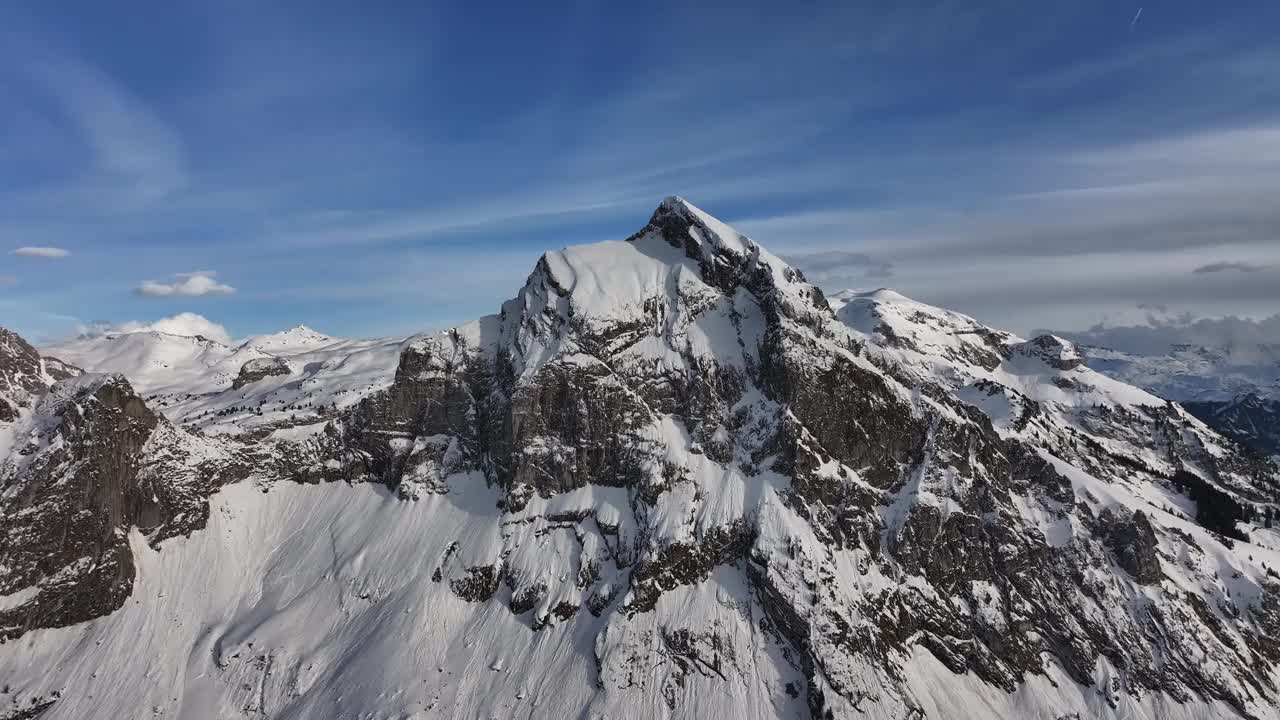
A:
[(685, 286), (707, 239), (161, 336), (1052, 350), (150, 359), (896, 320), (959, 351), (665, 480), (296, 339), (20, 368), (677, 211), (879, 295), (888, 305)]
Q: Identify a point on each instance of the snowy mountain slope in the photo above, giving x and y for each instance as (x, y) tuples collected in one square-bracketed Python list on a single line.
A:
[(152, 360), (1248, 419), (1043, 391), (289, 394), (1235, 390), (24, 374), (281, 381), (668, 479), (354, 626)]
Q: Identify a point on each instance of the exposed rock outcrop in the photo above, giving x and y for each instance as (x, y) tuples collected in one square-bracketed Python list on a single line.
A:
[(1053, 350), (92, 463), (259, 368), (21, 374), (69, 502), (1134, 543)]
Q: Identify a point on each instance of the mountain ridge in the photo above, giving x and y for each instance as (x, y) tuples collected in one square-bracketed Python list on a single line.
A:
[(671, 477)]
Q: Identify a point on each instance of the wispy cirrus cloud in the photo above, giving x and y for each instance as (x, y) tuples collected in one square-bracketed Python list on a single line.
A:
[(192, 284), (40, 252), (1247, 267), (1097, 228), (1055, 172), (130, 145), (831, 264)]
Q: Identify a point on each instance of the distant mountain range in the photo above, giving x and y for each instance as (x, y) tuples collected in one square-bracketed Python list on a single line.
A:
[(1248, 419), (1236, 390)]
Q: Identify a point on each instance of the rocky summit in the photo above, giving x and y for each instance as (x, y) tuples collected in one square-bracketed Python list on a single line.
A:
[(670, 478)]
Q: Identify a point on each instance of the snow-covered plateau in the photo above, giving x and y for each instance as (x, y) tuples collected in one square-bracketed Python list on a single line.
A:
[(670, 478)]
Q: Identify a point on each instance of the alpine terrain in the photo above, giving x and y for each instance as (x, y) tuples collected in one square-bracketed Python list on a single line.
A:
[(669, 478), (1236, 390)]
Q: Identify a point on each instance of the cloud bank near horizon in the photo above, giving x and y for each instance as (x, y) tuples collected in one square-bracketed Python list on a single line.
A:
[(184, 323), (1162, 331)]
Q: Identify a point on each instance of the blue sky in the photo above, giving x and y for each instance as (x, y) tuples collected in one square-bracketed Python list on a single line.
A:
[(381, 168)]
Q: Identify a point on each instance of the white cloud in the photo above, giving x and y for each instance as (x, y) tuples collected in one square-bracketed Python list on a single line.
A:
[(1227, 266), (41, 252), (192, 284), (182, 323), (1161, 330)]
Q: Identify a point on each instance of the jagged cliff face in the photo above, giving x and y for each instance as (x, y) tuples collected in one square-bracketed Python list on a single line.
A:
[(88, 463), (69, 498), (673, 478), (22, 375), (848, 473)]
